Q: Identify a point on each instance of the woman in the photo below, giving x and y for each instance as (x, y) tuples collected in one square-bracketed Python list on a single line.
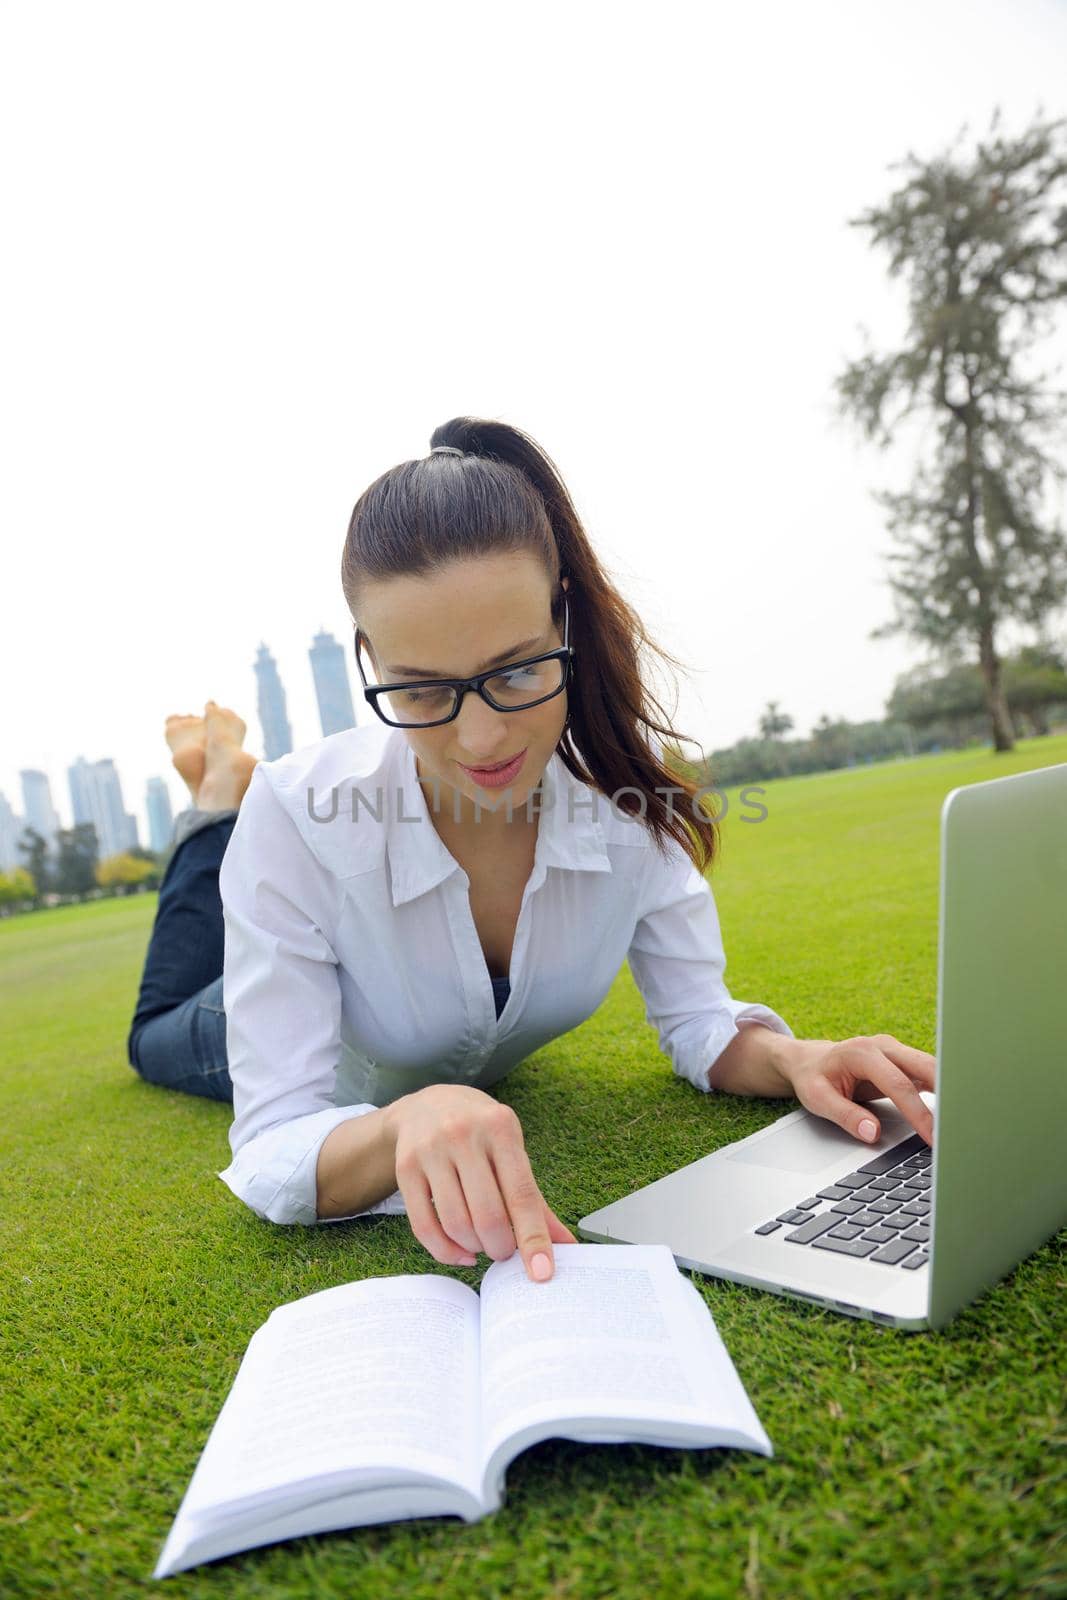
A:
[(402, 927)]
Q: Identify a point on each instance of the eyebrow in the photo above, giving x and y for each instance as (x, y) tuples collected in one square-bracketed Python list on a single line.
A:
[(493, 661)]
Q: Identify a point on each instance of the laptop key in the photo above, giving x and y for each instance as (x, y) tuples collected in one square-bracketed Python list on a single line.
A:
[(900, 1152), (792, 1216), (844, 1230), (920, 1233), (809, 1204), (851, 1180), (846, 1207), (894, 1252), (879, 1235), (884, 1203), (897, 1222), (769, 1227), (812, 1228), (867, 1195), (916, 1208), (883, 1185), (919, 1259), (845, 1247), (834, 1192)]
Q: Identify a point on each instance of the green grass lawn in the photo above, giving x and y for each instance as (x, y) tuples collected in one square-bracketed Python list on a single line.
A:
[(907, 1464)]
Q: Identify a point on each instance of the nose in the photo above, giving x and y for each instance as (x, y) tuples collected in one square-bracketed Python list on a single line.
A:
[(482, 732)]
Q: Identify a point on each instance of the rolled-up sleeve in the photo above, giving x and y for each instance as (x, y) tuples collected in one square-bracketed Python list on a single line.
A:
[(282, 1000), (677, 959)]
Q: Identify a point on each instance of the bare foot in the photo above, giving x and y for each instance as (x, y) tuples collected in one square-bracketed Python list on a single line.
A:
[(186, 736), (221, 723), (227, 768)]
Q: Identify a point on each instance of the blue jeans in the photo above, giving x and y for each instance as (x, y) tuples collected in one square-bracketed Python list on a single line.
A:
[(178, 1034)]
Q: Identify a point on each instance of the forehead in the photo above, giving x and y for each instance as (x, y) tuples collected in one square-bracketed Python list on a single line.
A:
[(459, 614)]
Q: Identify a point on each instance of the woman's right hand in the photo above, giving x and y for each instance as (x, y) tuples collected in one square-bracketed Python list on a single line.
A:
[(461, 1151)]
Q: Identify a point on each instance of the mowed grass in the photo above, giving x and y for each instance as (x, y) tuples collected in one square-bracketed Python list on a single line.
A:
[(907, 1464)]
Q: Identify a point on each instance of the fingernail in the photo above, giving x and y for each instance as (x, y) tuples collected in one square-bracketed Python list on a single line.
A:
[(541, 1267), (868, 1129), (468, 1261)]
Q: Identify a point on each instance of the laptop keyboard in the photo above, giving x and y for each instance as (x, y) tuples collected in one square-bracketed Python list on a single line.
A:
[(879, 1211)]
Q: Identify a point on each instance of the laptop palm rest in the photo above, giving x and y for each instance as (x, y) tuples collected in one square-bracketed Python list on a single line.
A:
[(810, 1143)]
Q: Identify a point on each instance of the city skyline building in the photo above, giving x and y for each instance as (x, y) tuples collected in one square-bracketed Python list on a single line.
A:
[(11, 825), (96, 797), (38, 811), (270, 697), (333, 690), (160, 814)]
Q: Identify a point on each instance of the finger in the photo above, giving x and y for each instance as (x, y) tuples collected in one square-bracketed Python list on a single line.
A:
[(826, 1099), (450, 1203), (526, 1207), (415, 1192), (920, 1065)]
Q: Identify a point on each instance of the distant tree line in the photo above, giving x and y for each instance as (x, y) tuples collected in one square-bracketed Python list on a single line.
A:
[(928, 710), (75, 872)]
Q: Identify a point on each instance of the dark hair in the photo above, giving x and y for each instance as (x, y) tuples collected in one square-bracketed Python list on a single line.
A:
[(504, 493)]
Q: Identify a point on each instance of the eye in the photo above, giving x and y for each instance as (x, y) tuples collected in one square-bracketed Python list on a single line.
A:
[(416, 697)]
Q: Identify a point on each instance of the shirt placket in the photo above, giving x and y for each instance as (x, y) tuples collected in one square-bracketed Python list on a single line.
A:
[(485, 1026)]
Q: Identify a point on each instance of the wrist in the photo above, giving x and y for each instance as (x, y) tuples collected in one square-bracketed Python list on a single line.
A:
[(758, 1061)]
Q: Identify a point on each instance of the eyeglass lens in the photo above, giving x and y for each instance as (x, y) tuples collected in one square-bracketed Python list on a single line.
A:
[(509, 690)]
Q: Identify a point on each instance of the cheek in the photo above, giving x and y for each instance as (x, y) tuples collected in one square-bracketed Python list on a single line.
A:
[(430, 746)]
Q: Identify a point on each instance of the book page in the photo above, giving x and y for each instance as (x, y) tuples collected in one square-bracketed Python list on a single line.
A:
[(613, 1335), (377, 1374)]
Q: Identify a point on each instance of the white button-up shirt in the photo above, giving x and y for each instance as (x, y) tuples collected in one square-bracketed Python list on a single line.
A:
[(353, 971)]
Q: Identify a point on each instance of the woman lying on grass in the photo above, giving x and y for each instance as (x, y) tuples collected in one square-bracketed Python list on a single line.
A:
[(403, 925)]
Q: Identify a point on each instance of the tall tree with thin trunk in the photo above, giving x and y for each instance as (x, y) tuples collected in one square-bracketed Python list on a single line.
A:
[(981, 240)]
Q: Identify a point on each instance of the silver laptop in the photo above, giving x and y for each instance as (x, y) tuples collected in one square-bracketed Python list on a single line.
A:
[(899, 1231)]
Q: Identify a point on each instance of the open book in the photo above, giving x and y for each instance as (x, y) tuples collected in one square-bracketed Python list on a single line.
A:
[(408, 1396)]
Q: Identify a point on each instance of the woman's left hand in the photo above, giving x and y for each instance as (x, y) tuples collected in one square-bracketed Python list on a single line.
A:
[(828, 1079)]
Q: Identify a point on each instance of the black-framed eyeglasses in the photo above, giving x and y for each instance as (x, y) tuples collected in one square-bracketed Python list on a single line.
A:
[(515, 687)]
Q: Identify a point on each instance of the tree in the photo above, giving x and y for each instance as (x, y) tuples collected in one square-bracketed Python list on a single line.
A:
[(34, 847), (76, 867), (123, 870), (951, 700), (774, 724), (982, 242), (16, 888), (830, 742), (1034, 679), (157, 861)]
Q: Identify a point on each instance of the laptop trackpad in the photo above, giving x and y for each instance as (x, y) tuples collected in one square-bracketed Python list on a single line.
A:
[(808, 1145)]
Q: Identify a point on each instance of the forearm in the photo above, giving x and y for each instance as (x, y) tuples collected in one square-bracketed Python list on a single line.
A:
[(760, 1061), (357, 1164)]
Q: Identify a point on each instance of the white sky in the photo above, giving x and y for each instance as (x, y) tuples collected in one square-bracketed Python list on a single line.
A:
[(254, 254)]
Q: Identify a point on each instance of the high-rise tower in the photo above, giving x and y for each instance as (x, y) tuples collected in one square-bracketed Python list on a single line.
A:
[(160, 815), (332, 688), (37, 804), (273, 717), (96, 797), (11, 827)]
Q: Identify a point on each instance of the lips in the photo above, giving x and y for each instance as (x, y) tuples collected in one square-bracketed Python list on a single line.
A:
[(495, 777)]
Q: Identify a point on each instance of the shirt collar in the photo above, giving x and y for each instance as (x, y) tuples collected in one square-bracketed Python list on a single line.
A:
[(569, 833)]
